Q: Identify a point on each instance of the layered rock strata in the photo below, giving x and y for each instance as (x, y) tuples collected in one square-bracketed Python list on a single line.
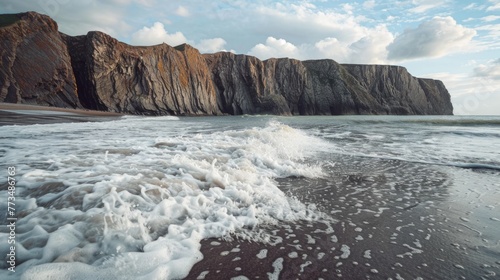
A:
[(42, 66)]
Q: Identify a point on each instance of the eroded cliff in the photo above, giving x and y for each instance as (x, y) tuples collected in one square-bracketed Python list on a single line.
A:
[(40, 65), (35, 67)]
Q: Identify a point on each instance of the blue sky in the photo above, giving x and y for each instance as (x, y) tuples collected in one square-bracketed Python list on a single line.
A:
[(455, 41)]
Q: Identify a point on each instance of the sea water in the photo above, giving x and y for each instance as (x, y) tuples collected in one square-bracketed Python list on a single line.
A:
[(134, 198)]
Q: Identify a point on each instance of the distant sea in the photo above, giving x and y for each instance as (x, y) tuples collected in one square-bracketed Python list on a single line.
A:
[(254, 197)]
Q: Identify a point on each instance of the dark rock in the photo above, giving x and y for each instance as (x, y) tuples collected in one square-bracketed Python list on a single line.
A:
[(156, 80), (35, 67), (43, 66)]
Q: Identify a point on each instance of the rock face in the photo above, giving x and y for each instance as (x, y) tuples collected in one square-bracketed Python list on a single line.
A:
[(40, 65), (35, 67), (156, 80)]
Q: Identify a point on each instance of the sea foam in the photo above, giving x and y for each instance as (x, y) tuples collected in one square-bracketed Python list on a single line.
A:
[(94, 209)]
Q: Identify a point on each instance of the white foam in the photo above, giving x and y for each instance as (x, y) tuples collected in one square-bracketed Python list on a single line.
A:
[(367, 254), (202, 275), (346, 251), (278, 267), (262, 254), (240, 277), (304, 265), (138, 195), (334, 238)]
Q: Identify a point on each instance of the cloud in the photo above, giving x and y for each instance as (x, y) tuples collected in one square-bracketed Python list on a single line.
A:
[(422, 6), (80, 17), (495, 6), (369, 4), (306, 32), (434, 38), (332, 48), (275, 48), (490, 70), (475, 6), (470, 95), (182, 11), (211, 45), (490, 18), (370, 48), (306, 24), (157, 34)]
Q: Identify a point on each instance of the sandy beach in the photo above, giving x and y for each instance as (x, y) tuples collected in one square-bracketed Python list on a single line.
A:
[(425, 231), (385, 218)]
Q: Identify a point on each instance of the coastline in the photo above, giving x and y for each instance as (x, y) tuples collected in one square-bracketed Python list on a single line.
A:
[(23, 114), (439, 231), (409, 217)]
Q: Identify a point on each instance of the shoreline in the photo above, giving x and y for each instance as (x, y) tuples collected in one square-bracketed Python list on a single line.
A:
[(439, 232), (23, 114)]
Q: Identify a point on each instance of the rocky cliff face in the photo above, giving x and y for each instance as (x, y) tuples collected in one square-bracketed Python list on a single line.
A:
[(155, 80), (35, 67), (40, 65)]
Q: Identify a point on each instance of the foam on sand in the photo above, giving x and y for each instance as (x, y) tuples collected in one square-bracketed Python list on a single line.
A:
[(142, 214)]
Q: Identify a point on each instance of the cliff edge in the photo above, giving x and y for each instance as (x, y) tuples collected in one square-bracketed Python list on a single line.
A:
[(40, 65)]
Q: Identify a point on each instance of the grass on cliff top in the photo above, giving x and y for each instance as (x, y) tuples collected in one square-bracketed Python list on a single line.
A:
[(8, 19)]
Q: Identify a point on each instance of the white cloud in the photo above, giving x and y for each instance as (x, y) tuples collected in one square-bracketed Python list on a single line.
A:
[(422, 6), (470, 95), (490, 38), (80, 17), (306, 24), (157, 34), (495, 6), (490, 70), (475, 6), (369, 4), (434, 38), (320, 34), (477, 96), (370, 48), (348, 8), (333, 48), (211, 45), (490, 18), (275, 48), (182, 11)]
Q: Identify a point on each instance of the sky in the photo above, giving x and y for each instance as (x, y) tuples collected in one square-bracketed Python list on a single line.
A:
[(455, 41)]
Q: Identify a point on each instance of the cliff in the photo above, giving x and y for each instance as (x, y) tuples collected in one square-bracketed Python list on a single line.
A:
[(35, 67), (42, 66)]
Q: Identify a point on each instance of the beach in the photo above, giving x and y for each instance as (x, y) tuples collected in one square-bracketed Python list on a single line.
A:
[(22, 114), (424, 232), (254, 197)]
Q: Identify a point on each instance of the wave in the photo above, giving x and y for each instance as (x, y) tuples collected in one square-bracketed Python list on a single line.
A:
[(149, 118), (431, 120), (474, 165), (142, 214)]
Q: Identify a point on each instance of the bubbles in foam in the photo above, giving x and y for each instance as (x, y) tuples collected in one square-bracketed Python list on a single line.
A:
[(105, 211)]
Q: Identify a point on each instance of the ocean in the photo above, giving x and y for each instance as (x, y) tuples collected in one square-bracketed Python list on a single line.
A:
[(252, 197)]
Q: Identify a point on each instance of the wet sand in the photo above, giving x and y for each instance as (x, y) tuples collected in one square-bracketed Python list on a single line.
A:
[(21, 114), (433, 223), (391, 220)]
